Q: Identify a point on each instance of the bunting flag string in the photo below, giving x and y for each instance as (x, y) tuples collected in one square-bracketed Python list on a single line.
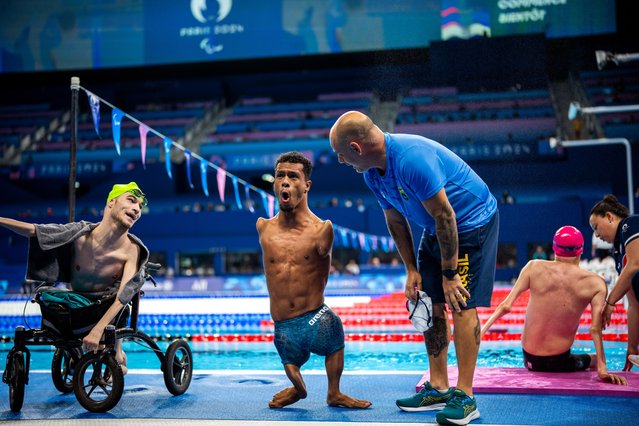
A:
[(348, 237)]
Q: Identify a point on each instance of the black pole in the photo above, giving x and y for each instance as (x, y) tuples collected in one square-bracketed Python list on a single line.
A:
[(75, 87)]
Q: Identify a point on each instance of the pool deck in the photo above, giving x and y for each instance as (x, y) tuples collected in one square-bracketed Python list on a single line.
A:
[(240, 397)]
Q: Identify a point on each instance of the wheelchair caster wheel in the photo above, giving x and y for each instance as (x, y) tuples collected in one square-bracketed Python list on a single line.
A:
[(16, 380), (178, 367), (98, 382), (63, 367)]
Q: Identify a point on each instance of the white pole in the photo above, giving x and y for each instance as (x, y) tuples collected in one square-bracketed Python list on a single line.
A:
[(610, 141)]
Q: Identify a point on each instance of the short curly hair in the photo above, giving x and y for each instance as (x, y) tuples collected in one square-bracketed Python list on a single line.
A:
[(295, 157)]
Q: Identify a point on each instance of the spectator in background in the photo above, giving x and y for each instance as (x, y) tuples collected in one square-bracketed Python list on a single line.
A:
[(352, 267), (539, 253), (506, 198), (600, 248)]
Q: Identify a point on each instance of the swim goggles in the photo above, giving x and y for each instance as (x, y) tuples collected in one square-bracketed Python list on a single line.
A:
[(420, 311)]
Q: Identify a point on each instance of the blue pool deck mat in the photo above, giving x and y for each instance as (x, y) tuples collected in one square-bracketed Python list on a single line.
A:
[(218, 396)]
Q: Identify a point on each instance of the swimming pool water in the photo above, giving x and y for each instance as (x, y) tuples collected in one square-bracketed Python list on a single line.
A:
[(358, 356)]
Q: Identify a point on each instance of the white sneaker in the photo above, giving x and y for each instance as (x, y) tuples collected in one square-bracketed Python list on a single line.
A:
[(634, 359)]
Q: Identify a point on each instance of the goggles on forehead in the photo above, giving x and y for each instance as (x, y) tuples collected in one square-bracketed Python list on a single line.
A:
[(139, 194)]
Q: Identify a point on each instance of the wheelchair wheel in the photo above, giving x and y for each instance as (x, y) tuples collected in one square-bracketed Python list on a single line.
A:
[(178, 367), (98, 382), (17, 380), (63, 367)]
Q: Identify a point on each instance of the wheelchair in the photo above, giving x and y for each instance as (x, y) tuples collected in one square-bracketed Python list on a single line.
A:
[(95, 377)]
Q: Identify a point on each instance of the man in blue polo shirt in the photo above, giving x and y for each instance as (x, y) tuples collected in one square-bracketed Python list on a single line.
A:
[(417, 179)]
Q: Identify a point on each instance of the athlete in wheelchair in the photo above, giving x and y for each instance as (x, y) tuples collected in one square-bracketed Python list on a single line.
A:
[(106, 267)]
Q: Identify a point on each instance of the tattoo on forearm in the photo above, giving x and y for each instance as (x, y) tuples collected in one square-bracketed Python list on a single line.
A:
[(436, 338), (447, 233)]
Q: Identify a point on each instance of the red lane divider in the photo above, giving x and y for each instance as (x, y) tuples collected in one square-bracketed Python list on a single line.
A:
[(383, 337)]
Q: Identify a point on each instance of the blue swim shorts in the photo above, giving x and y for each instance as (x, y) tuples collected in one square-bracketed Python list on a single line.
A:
[(319, 331)]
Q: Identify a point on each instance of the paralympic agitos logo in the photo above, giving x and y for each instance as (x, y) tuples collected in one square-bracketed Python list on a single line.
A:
[(211, 18)]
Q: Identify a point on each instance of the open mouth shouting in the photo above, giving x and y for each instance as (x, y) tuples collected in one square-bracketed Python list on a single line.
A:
[(285, 196), (131, 216)]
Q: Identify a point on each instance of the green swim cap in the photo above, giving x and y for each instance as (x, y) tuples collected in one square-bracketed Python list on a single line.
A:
[(132, 187)]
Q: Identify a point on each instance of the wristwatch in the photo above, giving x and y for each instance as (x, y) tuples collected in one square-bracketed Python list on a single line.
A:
[(450, 273)]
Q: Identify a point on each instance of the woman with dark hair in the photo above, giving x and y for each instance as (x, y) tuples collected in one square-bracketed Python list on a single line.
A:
[(611, 221)]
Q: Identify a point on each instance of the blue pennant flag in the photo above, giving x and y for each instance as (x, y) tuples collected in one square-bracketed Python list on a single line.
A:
[(187, 154), (116, 120), (205, 184), (344, 236), (264, 201), (249, 200), (94, 103), (237, 193), (167, 156)]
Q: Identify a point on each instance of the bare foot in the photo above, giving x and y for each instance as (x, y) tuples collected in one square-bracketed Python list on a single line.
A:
[(345, 401), (120, 358), (284, 397)]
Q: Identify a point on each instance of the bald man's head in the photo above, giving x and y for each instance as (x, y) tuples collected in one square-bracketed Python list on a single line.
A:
[(352, 125)]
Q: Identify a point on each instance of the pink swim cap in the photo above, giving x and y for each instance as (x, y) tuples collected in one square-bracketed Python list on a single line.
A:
[(568, 242)]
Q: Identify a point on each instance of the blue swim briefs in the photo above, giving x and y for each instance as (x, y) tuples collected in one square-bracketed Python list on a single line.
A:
[(319, 331)]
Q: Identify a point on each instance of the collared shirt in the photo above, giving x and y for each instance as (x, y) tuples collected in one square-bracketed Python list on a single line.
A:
[(417, 168)]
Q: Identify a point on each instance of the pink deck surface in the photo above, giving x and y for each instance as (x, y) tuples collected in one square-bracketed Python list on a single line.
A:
[(522, 381)]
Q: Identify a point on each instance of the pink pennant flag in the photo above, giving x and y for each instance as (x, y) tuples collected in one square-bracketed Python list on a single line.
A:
[(143, 131), (271, 204), (362, 240), (221, 182)]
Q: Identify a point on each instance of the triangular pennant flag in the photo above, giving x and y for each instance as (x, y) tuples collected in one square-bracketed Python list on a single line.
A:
[(271, 205), (249, 200), (187, 154), (143, 132), (221, 182), (237, 193), (167, 156), (264, 200), (94, 103), (362, 240), (205, 184), (344, 235), (374, 240), (116, 121)]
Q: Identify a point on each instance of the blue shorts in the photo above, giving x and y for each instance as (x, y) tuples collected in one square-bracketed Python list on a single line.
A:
[(319, 331), (476, 264)]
